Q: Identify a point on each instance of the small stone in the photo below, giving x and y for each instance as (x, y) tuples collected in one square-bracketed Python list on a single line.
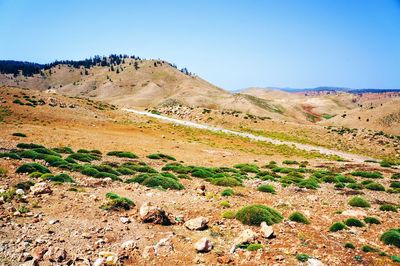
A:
[(148, 252), (153, 214), (203, 245), (51, 222), (267, 230), (124, 220), (38, 252), (19, 192), (199, 223), (246, 236), (41, 188), (354, 213), (130, 244)]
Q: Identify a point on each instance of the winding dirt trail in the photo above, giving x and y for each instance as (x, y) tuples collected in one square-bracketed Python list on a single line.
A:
[(306, 147)]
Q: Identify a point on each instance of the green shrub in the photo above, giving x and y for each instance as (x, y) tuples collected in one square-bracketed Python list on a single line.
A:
[(66, 150), (302, 257), (226, 181), (340, 185), (254, 247), (345, 179), (299, 218), (143, 168), (255, 214), (227, 192), (11, 155), (29, 146), (89, 171), (202, 173), (17, 134), (309, 183), (125, 171), (24, 185), (395, 184), (337, 227), (156, 181), (354, 222), (396, 176), (267, 188), (388, 208), (116, 202), (106, 168), (225, 204), (355, 186), (371, 220), (367, 249), (8, 195), (289, 162), (358, 201), (177, 168), (32, 167), (229, 215), (28, 154), (395, 258), (123, 154), (3, 172), (157, 156), (391, 237), (248, 168), (349, 245), (375, 186), (367, 174), (62, 178), (84, 157), (35, 174)]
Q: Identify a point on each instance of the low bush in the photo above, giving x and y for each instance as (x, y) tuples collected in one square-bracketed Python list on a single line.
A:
[(17, 134), (355, 186), (358, 201), (391, 237), (254, 247), (202, 173), (139, 167), (116, 202), (158, 156), (8, 195), (309, 183), (345, 179), (84, 157), (122, 154), (338, 226), (61, 178), (354, 222), (65, 150), (89, 171), (255, 214), (375, 186), (227, 192), (302, 257), (156, 181), (24, 185), (225, 204), (109, 175), (247, 168), (226, 181), (367, 249), (388, 208), (11, 155), (177, 168), (229, 215), (125, 171), (3, 172), (29, 146), (371, 220), (367, 174), (32, 167), (396, 176), (267, 188), (299, 218), (349, 245), (395, 184), (290, 162)]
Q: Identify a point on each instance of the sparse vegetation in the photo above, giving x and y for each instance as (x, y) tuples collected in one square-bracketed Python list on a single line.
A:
[(116, 202), (388, 208), (349, 245), (227, 192), (229, 215), (338, 226), (32, 167), (255, 214), (267, 188), (302, 257), (156, 180), (358, 201), (371, 220), (354, 222), (367, 174), (299, 218), (158, 156)]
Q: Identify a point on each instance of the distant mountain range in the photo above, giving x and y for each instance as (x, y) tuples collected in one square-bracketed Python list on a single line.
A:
[(330, 89)]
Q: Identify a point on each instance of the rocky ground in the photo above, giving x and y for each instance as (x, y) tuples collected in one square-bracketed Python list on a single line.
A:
[(62, 223)]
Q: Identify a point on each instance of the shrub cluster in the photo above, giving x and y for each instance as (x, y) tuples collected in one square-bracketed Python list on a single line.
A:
[(157, 180), (116, 202), (255, 214), (158, 156), (122, 154)]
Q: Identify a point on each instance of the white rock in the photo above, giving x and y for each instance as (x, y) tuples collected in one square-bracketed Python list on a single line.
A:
[(53, 222), (198, 223), (267, 231), (203, 245), (124, 220), (354, 213), (130, 244), (20, 192), (41, 188), (246, 236), (314, 262), (108, 258)]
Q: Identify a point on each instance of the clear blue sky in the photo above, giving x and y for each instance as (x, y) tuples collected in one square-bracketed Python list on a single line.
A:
[(231, 43)]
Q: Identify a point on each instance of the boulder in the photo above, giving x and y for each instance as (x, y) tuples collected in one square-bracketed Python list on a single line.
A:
[(199, 223), (246, 236), (130, 244), (314, 262), (153, 214), (41, 188), (124, 220), (203, 245)]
